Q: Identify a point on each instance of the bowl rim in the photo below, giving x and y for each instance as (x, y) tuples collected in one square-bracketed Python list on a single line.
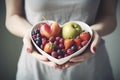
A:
[(65, 59)]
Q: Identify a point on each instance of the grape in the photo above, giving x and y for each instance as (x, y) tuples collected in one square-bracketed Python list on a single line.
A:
[(42, 47), (38, 38), (66, 55), (38, 35), (43, 38), (44, 41), (37, 42), (61, 40), (79, 47), (70, 51), (61, 46), (33, 33), (64, 51), (84, 42), (34, 36), (52, 39), (74, 48), (59, 52), (57, 38), (36, 31), (54, 54), (56, 42)]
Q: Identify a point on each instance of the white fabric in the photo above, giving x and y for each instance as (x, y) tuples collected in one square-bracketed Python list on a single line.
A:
[(61, 10), (96, 67)]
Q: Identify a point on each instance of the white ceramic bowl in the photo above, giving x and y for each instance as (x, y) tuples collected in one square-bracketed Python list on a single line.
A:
[(61, 61)]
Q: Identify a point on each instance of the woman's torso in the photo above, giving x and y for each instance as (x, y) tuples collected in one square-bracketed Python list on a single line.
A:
[(61, 10)]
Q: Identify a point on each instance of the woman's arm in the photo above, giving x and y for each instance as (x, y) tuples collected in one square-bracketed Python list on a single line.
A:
[(19, 26), (15, 21), (106, 18), (105, 24)]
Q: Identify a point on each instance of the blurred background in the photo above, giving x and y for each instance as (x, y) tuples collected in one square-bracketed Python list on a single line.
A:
[(10, 47)]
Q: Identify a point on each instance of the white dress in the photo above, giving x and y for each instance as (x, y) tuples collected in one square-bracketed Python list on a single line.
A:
[(96, 67)]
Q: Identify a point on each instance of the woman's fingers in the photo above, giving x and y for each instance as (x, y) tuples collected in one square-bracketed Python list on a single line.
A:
[(52, 64), (88, 52), (78, 59), (45, 60), (81, 57), (95, 42), (69, 64), (39, 56)]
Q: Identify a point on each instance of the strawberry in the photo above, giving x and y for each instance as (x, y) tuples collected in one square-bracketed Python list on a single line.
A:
[(85, 36), (77, 41), (49, 47), (68, 43)]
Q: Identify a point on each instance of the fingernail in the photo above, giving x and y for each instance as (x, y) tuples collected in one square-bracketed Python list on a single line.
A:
[(94, 49), (28, 50)]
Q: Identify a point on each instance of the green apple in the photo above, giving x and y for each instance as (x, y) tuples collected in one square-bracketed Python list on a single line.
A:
[(71, 30)]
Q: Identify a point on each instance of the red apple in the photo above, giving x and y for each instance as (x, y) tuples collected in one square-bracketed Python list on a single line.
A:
[(45, 29), (48, 30)]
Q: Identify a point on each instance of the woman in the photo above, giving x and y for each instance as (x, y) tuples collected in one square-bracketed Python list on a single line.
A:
[(99, 14)]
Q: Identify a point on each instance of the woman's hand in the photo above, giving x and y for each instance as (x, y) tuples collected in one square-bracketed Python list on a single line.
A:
[(30, 49), (88, 53), (105, 24)]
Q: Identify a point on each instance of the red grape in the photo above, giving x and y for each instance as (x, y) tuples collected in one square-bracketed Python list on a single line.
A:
[(57, 38), (52, 39), (61, 40), (44, 41), (70, 51), (61, 46), (54, 54)]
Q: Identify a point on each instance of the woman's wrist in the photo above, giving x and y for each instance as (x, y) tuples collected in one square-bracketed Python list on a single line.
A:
[(27, 31), (97, 29)]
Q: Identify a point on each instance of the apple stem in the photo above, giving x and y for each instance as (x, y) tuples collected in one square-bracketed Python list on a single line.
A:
[(45, 19)]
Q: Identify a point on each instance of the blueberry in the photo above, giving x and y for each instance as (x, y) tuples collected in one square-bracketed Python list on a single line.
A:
[(59, 52), (38, 38), (74, 48), (33, 33), (37, 42), (38, 35), (35, 39), (36, 31)]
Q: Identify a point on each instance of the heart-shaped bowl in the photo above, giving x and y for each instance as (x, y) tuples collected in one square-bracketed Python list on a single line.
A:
[(61, 61)]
